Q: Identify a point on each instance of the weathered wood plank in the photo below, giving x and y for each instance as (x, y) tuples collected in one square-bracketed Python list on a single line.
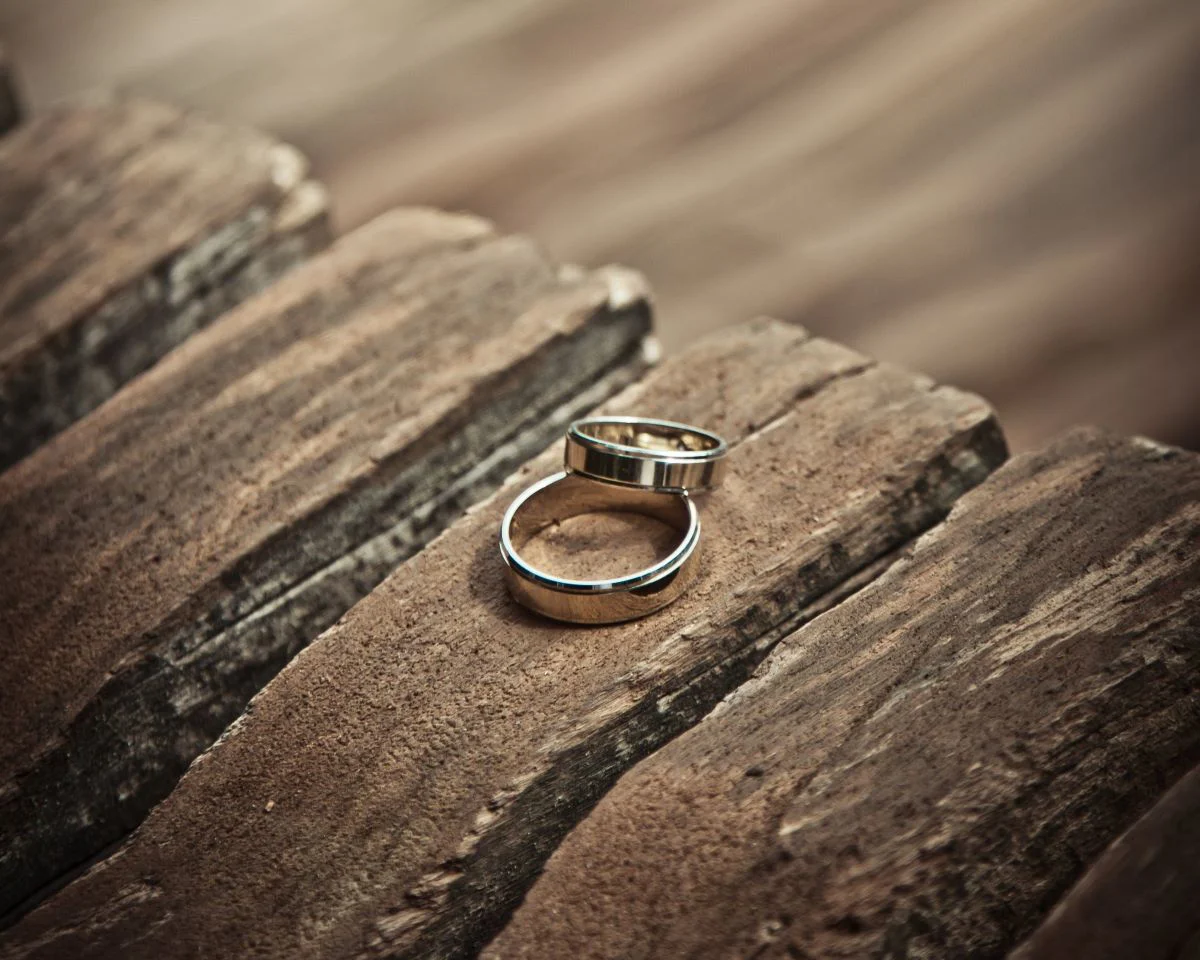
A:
[(922, 771), (10, 104), (163, 558), (1140, 898), (395, 790), (125, 226)]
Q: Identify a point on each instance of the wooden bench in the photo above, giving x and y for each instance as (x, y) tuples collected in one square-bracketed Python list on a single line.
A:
[(913, 695)]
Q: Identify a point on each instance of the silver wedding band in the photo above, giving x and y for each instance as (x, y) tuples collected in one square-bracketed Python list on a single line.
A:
[(641, 452), (628, 464)]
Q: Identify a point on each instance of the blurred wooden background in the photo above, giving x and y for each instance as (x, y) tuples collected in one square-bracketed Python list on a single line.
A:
[(1002, 194)]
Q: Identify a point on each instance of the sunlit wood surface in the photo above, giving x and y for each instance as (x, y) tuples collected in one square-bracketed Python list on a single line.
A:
[(1002, 194)]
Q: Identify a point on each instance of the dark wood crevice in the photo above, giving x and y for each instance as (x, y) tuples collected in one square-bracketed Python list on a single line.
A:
[(1138, 898)]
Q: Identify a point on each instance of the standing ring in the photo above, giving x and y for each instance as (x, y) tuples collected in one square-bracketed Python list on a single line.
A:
[(641, 452)]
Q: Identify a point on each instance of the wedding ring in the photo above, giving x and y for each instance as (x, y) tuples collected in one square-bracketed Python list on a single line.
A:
[(640, 452), (564, 495)]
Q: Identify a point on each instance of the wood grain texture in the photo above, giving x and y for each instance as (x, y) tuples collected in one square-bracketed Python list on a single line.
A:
[(125, 226), (163, 558), (923, 770), (1139, 899), (395, 789), (10, 103)]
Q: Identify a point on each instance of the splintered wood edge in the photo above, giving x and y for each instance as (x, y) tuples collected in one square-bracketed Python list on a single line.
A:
[(915, 896), (1139, 899), (953, 446), (65, 374), (599, 349)]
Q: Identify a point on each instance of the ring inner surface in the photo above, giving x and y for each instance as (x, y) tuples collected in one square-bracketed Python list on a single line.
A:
[(602, 546), (649, 436), (576, 496)]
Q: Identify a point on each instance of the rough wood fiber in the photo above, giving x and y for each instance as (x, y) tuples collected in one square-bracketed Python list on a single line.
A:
[(922, 771), (163, 558), (396, 788), (125, 226), (10, 105), (1140, 898)]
